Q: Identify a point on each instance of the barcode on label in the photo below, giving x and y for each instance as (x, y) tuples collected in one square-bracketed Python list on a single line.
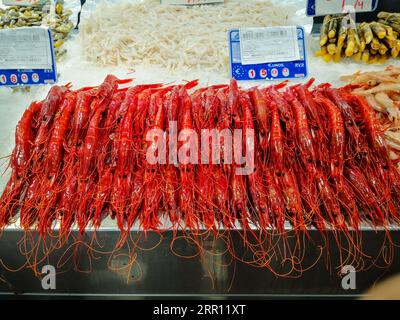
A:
[(29, 37), (264, 34), (25, 48), (270, 44)]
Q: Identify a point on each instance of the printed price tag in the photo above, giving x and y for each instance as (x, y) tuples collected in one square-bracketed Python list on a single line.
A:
[(270, 70), (190, 2), (324, 7), (26, 56), (261, 45), (24, 3)]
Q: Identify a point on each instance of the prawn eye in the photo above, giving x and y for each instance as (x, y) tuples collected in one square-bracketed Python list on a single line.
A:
[(336, 163)]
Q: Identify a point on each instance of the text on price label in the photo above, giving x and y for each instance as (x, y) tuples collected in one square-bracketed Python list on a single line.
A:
[(25, 48), (324, 7), (270, 44)]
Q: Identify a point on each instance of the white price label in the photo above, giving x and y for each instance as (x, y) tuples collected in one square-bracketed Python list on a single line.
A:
[(191, 2), (271, 44), (324, 7), (25, 48)]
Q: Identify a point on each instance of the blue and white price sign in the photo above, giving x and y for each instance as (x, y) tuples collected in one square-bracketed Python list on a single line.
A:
[(27, 57), (324, 7), (271, 53)]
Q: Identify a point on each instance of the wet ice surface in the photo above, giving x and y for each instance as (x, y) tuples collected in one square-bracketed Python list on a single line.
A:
[(82, 73)]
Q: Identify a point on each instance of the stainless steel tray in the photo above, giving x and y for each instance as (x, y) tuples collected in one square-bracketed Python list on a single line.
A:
[(159, 272)]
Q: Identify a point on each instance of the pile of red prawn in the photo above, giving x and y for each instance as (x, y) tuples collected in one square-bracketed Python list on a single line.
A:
[(320, 160)]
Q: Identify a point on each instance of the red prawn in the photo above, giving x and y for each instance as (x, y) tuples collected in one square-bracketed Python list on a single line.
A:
[(374, 133), (356, 143), (314, 117), (337, 136), (152, 177), (303, 135), (124, 164), (277, 145), (186, 170), (366, 197), (275, 198), (329, 200), (262, 115), (48, 111), (19, 163), (292, 198), (256, 184), (106, 160), (53, 162)]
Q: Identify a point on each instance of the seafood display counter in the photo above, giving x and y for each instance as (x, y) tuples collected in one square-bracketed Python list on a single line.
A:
[(84, 212)]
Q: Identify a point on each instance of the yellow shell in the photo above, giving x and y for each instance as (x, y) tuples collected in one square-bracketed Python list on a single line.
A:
[(59, 8)]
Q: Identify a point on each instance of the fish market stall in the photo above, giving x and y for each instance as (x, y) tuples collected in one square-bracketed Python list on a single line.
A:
[(110, 180)]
